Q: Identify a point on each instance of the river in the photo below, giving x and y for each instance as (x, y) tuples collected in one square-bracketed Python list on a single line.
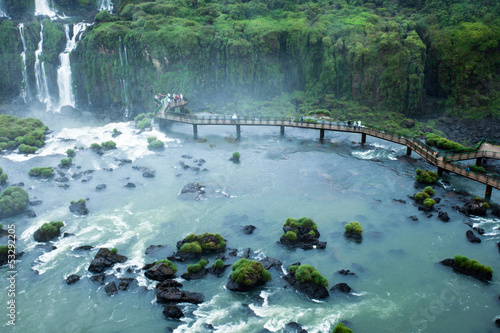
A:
[(400, 287)]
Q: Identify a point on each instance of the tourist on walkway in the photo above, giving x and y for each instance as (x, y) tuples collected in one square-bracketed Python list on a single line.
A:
[(467, 167), (359, 124), (302, 119), (349, 124)]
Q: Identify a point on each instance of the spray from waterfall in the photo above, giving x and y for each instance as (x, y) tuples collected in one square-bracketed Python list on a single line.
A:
[(2, 13), (124, 80), (42, 8), (64, 81), (42, 86), (106, 5), (25, 91)]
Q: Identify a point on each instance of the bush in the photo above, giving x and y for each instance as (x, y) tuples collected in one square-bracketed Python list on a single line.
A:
[(66, 161), (426, 177), (151, 139), (429, 203), (219, 263), (70, 152), (26, 149), (478, 169), (429, 190), (236, 155), (47, 172), (486, 205), (193, 247), (435, 140), (354, 227), (29, 132), (81, 201), (249, 272), (291, 236), (95, 146), (3, 178), (12, 201), (4, 249), (44, 172), (139, 117), (145, 123), (108, 145), (475, 265), (302, 222), (421, 196), (197, 267), (51, 229), (306, 273), (341, 328), (156, 145), (206, 242), (168, 263), (114, 250)]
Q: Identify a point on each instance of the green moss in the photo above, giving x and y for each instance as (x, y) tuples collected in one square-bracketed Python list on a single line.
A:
[(12, 201), (114, 250), (66, 161), (81, 201), (426, 177), (291, 236), (70, 152), (249, 272), (302, 222), (193, 247), (420, 196), (4, 249), (341, 328), (108, 145), (197, 267), (168, 263), (219, 263), (156, 145), (429, 203), (236, 155), (354, 227), (95, 146), (429, 190), (442, 143), (486, 205), (467, 263), (307, 273), (3, 178), (52, 228)]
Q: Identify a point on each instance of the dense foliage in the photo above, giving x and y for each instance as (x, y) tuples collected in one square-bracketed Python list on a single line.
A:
[(168, 263), (248, 272), (197, 267), (41, 171), (206, 242), (27, 134), (475, 265), (306, 273), (426, 177), (12, 201), (341, 328), (442, 143), (155, 144), (3, 176), (354, 227)]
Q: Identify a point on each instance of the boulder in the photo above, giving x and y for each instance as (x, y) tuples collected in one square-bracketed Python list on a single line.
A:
[(304, 240), (173, 311), (471, 237), (473, 207), (159, 272), (111, 289), (341, 287), (72, 279), (467, 271), (168, 292), (443, 216), (218, 271), (130, 185), (100, 187), (47, 235), (98, 278), (269, 262), (353, 236), (312, 290), (496, 212), (248, 229), (195, 275), (35, 202), (79, 207), (105, 259), (83, 248), (193, 191), (30, 213), (294, 327), (346, 272)]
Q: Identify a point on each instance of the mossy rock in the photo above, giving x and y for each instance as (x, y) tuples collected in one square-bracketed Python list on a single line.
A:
[(307, 280), (426, 177), (247, 274), (13, 200), (202, 244), (48, 231), (301, 233)]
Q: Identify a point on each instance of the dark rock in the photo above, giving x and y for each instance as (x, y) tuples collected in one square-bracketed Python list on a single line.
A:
[(353, 236), (169, 292), (149, 174), (125, 283), (479, 230), (193, 191), (246, 253), (111, 289), (235, 286), (123, 160), (294, 327), (159, 272), (269, 262), (35, 202), (208, 326), (187, 156), (310, 289), (100, 187), (115, 134), (62, 179), (413, 218), (67, 234), (473, 207), (195, 275), (400, 201), (346, 272), (173, 311), (443, 216), (98, 278), (471, 237), (248, 229), (341, 287), (153, 248), (72, 279), (83, 248), (218, 271), (105, 259), (30, 213), (79, 208), (304, 240), (496, 212), (130, 185), (467, 271), (41, 236)]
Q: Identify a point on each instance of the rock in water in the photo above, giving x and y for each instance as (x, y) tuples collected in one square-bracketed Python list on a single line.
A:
[(341, 287), (111, 289), (72, 279), (159, 272), (248, 229), (105, 259), (443, 216), (471, 237), (79, 207), (173, 311)]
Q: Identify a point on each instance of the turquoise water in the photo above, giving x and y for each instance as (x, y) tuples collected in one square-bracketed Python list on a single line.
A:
[(399, 288)]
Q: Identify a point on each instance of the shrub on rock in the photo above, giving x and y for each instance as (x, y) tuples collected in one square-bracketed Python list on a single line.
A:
[(353, 228), (204, 243), (108, 145), (41, 172), (66, 161), (426, 177), (341, 328), (155, 144), (307, 280), (429, 203), (470, 267), (26, 132), (48, 231), (3, 176), (79, 207), (429, 190), (13, 200), (105, 259), (70, 152), (246, 275), (302, 233)]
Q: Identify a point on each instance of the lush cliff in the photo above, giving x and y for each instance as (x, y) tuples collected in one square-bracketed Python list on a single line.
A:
[(281, 57)]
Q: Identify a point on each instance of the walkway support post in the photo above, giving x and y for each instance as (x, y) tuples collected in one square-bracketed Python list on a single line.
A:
[(487, 194), (440, 172), (282, 130), (195, 131), (479, 161), (363, 138), (238, 132), (408, 151), (321, 135)]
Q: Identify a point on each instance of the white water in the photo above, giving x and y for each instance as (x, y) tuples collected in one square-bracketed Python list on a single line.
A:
[(42, 8), (41, 78), (106, 5), (124, 80), (64, 82), (2, 13), (25, 93)]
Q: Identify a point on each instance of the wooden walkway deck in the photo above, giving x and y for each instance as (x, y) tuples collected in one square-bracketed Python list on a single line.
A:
[(444, 162)]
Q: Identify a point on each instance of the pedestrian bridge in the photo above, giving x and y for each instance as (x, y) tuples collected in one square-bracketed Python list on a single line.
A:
[(444, 161)]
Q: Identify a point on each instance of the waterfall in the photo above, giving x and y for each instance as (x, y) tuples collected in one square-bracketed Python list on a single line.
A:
[(106, 5), (25, 91), (66, 96), (41, 79), (42, 8), (2, 13), (123, 80)]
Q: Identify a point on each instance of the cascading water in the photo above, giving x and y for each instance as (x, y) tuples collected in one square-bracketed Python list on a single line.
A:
[(123, 80), (42, 86), (42, 8), (106, 5), (64, 82), (25, 92), (2, 13)]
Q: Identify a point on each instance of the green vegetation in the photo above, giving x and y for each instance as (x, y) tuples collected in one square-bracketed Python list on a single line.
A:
[(467, 263), (3, 176), (155, 144), (81, 201), (236, 155), (249, 272), (486, 205), (26, 134), (219, 263), (70, 152), (95, 146), (429, 203), (12, 201), (197, 267), (114, 250), (302, 222), (442, 143), (43, 172), (51, 229), (341, 328), (429, 190), (291, 236), (143, 120), (4, 249), (478, 169), (206, 242), (108, 145), (421, 196), (354, 228), (426, 177), (66, 161), (168, 263), (306, 273)]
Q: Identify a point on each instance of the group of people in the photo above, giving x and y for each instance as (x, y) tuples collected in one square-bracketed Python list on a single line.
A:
[(160, 98), (354, 124)]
